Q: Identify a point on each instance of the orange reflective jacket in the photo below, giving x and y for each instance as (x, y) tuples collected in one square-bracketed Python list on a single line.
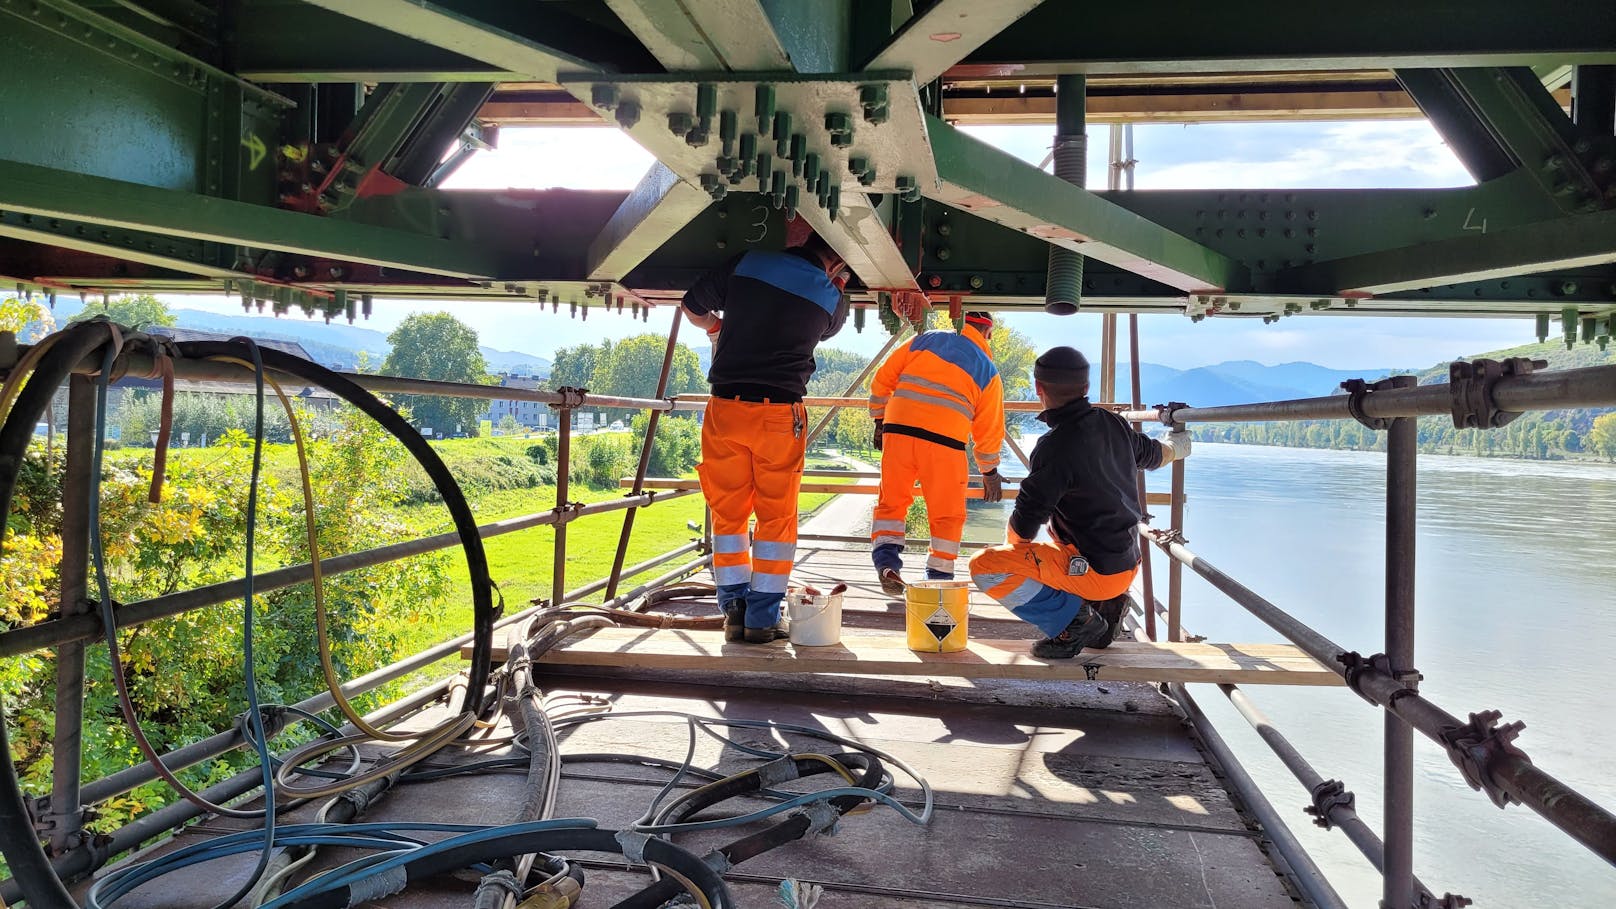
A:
[(942, 386)]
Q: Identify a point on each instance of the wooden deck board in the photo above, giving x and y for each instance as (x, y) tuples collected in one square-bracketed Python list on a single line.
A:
[(887, 654)]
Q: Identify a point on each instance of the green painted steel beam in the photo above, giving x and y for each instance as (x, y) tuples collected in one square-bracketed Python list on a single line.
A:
[(659, 207), (47, 192), (1564, 243), (1189, 36), (178, 254), (991, 184), (443, 26), (945, 33)]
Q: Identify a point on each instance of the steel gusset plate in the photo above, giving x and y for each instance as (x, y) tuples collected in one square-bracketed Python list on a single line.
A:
[(895, 147)]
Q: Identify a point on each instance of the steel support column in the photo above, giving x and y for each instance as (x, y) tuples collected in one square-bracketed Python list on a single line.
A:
[(651, 422), (66, 817), (1402, 452), (1063, 294)]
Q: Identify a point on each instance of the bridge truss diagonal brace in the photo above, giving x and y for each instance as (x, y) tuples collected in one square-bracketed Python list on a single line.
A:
[(51, 193), (941, 36), (735, 35), (659, 207), (442, 27), (978, 178), (1577, 241)]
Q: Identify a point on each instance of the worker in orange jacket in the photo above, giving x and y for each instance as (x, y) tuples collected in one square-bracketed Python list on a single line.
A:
[(934, 392), (776, 307)]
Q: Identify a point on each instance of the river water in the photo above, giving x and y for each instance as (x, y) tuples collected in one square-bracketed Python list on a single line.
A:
[(1517, 612)]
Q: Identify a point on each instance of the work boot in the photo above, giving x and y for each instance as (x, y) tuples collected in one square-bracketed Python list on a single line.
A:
[(892, 583), (734, 620), (1112, 611), (1087, 629), (779, 631)]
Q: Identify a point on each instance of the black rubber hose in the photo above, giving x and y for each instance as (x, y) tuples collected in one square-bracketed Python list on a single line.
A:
[(586, 839), (24, 856), (482, 589), (776, 835)]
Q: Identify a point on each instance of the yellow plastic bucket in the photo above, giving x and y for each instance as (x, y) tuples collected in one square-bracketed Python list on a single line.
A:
[(936, 615)]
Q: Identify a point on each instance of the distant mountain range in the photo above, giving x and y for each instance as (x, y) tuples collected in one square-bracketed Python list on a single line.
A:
[(335, 344), (1238, 382)]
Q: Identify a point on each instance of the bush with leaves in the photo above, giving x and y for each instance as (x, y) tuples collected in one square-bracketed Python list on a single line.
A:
[(677, 447), (185, 672)]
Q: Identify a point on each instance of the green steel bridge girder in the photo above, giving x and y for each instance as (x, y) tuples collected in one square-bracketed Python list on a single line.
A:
[(43, 192), (999, 187)]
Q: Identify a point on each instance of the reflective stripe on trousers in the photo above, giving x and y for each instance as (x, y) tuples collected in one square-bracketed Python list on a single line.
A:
[(1030, 580), (942, 474)]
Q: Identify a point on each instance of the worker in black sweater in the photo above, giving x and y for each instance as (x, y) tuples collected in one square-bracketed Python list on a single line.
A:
[(1082, 483)]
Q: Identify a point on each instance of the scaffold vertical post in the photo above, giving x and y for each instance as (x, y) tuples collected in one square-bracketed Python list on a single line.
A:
[(651, 421), (66, 814), (1147, 582), (1402, 450), (558, 572)]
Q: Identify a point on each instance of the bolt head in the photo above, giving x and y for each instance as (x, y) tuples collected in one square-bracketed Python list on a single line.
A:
[(628, 114)]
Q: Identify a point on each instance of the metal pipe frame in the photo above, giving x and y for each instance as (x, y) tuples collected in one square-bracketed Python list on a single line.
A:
[(850, 538), (651, 422), (854, 386), (1336, 813), (1589, 386), (558, 569), (1146, 578), (695, 402), (54, 632), (1312, 882), (1510, 771), (1402, 451), (65, 819)]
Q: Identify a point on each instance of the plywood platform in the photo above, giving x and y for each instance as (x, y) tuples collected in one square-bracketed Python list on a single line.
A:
[(887, 654)]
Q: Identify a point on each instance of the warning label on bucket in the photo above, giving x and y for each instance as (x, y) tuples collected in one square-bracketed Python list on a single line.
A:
[(940, 623)]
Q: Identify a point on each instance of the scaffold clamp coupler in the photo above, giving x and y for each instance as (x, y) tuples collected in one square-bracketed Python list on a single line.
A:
[(1445, 901), (1359, 665), (1164, 412), (1358, 390), (1470, 388), (1327, 796), (1476, 747), (571, 398)]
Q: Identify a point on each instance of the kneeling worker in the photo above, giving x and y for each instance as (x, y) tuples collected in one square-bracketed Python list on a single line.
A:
[(1082, 482), (777, 306), (931, 394)]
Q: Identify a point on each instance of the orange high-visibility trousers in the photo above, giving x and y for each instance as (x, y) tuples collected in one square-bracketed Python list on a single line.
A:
[(943, 474), (751, 463), (1033, 581)]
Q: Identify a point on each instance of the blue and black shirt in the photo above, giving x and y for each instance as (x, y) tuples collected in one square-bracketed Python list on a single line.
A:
[(777, 307)]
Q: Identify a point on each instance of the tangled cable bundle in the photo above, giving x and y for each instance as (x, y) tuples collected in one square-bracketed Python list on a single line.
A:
[(515, 862)]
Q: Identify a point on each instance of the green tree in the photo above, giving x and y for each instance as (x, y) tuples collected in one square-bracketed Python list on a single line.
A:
[(632, 367), (18, 316), (1602, 438), (574, 367), (1013, 353), (855, 428), (438, 346), (508, 426), (139, 311)]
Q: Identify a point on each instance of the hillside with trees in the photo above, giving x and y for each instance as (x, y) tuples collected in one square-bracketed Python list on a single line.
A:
[(1586, 433)]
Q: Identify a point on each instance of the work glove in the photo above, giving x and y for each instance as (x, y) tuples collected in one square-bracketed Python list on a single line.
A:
[(992, 486), (877, 435), (1179, 441)]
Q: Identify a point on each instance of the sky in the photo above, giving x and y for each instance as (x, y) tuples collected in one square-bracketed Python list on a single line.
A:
[(1286, 155)]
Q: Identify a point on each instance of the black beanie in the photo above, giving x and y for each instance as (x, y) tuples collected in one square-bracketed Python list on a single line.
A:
[(1061, 366)]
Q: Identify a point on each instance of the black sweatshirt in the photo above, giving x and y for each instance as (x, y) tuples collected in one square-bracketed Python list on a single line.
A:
[(777, 307), (1083, 482)]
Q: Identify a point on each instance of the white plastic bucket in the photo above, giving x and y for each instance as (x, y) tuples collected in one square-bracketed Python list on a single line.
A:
[(816, 618)]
